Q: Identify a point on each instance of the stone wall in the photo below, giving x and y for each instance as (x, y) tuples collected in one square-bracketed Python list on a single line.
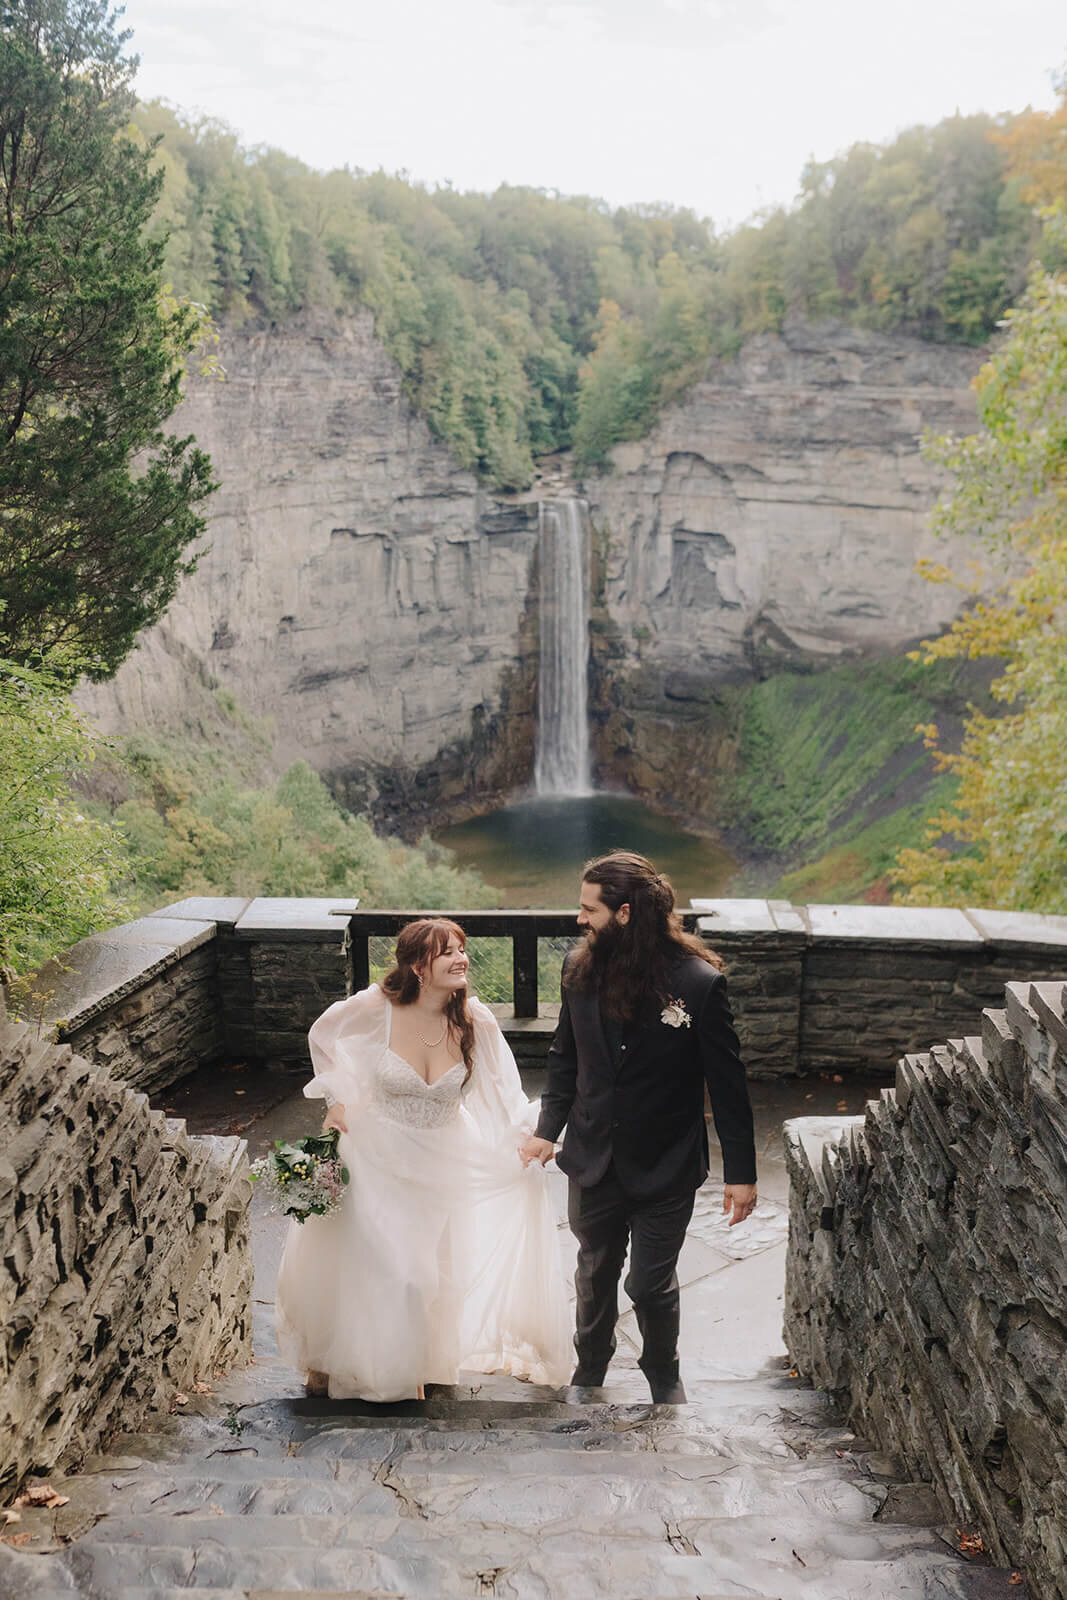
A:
[(926, 1283), (281, 965), (833, 989), (843, 989), (127, 1267), (143, 999), (197, 982)]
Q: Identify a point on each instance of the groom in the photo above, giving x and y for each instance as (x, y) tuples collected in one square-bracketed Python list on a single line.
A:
[(643, 1026)]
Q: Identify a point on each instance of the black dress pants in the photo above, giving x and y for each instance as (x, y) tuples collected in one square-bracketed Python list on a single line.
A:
[(604, 1218)]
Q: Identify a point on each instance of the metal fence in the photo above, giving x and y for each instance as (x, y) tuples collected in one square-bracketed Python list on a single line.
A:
[(491, 975), (515, 956)]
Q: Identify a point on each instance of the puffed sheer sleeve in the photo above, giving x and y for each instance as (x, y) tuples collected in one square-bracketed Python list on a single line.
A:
[(495, 1097), (344, 1044)]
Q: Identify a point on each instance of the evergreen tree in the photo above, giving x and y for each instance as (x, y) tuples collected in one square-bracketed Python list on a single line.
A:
[(98, 507)]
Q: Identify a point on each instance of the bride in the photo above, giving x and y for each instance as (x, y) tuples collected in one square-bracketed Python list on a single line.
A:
[(443, 1255)]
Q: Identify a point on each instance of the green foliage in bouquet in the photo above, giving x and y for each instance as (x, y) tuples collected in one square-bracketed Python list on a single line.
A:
[(305, 1176)]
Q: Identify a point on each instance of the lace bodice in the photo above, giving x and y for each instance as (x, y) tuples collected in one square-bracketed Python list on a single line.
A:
[(400, 1094)]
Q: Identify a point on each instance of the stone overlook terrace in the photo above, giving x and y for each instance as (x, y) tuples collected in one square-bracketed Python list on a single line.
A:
[(911, 1233), (821, 988)]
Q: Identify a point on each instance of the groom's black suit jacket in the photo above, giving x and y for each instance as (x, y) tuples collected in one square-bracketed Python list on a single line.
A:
[(641, 1104)]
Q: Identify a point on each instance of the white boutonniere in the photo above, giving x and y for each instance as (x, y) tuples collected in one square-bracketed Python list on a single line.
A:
[(675, 1015)]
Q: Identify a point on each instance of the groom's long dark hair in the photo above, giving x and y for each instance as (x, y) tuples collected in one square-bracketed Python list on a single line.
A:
[(630, 964)]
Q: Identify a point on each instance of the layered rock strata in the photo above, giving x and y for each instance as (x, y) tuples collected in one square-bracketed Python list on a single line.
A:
[(927, 1277), (773, 518), (360, 591), (357, 588), (128, 1270)]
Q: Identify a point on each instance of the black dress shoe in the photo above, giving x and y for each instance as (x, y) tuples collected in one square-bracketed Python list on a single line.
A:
[(667, 1391)]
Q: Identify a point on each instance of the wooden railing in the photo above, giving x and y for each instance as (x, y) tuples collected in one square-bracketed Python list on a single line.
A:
[(523, 928)]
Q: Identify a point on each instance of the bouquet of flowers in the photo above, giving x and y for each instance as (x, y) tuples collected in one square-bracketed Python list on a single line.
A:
[(305, 1177)]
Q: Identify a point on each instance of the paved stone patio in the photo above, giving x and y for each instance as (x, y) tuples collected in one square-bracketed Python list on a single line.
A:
[(498, 1489)]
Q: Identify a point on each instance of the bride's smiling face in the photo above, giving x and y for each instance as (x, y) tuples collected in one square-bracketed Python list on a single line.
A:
[(448, 971)]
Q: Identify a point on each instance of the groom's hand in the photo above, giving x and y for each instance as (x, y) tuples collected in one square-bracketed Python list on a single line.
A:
[(740, 1199), (536, 1149)]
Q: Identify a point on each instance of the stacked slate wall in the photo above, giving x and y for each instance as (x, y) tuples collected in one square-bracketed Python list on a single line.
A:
[(126, 1259), (836, 989), (845, 989), (926, 1283)]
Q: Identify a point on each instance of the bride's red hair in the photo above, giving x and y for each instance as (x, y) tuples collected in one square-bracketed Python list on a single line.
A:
[(417, 945)]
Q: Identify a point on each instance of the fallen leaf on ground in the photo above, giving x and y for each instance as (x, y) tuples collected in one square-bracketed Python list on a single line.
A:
[(179, 1400), (971, 1544), (201, 1388), (793, 1373), (1016, 1578), (10, 1515), (42, 1494), (15, 1539)]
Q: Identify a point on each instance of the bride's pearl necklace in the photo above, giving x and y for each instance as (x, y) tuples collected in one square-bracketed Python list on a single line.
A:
[(431, 1044)]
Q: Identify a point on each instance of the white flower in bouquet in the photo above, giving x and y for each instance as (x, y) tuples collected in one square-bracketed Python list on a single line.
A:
[(305, 1177)]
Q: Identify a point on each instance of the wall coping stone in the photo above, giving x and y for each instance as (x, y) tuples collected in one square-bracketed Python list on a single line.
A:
[(294, 917), (753, 916), (1019, 927), (180, 935), (105, 967), (223, 910), (789, 918), (939, 925)]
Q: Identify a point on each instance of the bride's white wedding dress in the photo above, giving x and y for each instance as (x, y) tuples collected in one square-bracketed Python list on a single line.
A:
[(444, 1254)]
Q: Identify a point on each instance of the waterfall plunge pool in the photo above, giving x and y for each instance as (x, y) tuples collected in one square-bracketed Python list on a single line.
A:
[(533, 851)]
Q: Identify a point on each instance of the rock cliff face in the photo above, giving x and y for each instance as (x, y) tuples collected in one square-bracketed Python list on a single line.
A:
[(774, 518), (362, 591), (359, 588)]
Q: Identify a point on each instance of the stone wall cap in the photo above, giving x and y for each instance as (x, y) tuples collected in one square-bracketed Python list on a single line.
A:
[(105, 967), (755, 916), (941, 925), (292, 917), (177, 934), (222, 910), (1019, 927), (787, 917)]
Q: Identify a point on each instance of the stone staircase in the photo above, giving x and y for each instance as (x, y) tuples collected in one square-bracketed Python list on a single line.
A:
[(497, 1490)]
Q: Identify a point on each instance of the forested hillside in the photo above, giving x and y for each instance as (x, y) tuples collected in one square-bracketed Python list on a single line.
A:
[(526, 323)]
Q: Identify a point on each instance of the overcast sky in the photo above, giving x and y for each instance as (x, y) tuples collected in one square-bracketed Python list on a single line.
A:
[(714, 104)]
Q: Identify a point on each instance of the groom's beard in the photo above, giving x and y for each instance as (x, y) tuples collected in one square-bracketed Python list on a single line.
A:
[(604, 947)]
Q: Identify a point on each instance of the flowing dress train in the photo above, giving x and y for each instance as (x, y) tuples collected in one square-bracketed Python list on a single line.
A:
[(444, 1254)]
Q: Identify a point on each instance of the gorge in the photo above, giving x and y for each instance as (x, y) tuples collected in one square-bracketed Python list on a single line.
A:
[(366, 595)]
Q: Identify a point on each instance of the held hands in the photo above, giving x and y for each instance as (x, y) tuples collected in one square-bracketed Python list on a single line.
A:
[(335, 1118), (740, 1198), (536, 1149)]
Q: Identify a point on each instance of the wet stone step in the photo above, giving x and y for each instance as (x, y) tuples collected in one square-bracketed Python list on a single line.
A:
[(437, 1490), (691, 1557), (577, 1470)]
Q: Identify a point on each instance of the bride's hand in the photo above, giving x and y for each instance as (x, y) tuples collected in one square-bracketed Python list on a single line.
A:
[(535, 1149), (335, 1118)]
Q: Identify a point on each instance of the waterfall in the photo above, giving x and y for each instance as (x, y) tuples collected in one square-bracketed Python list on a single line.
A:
[(561, 764)]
